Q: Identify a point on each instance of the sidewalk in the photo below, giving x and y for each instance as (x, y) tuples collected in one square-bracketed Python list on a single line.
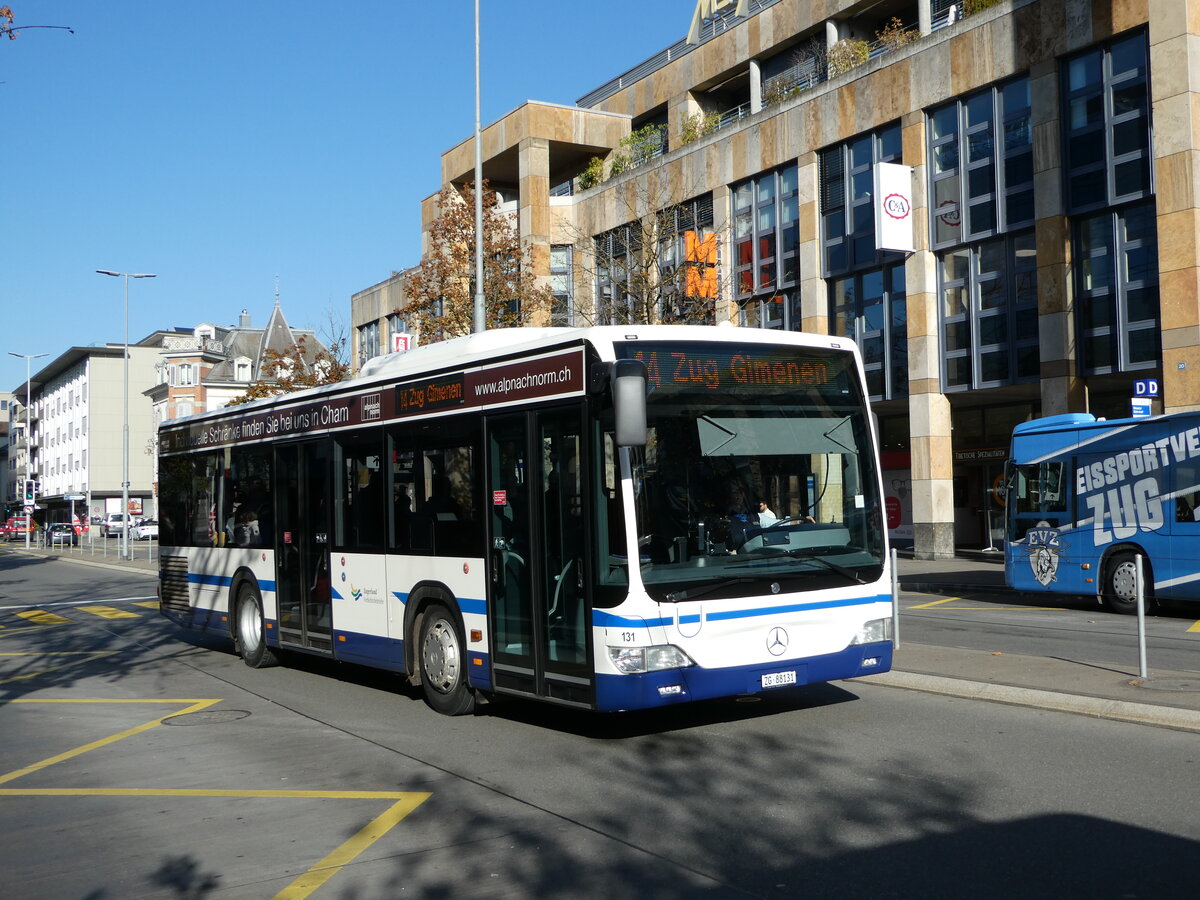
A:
[(1169, 699)]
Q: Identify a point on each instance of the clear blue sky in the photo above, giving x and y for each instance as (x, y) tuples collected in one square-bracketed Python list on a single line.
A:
[(221, 144)]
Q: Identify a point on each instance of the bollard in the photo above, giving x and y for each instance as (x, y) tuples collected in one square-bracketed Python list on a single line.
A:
[(1139, 587), (895, 601)]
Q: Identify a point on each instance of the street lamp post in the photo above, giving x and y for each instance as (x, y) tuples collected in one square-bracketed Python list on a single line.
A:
[(125, 413), (29, 357)]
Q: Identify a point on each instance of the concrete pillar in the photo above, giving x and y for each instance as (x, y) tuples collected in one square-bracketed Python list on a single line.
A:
[(1175, 95), (814, 298), (925, 16), (930, 443), (533, 169), (756, 102)]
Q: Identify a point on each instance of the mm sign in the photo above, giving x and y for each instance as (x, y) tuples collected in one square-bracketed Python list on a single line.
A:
[(893, 207)]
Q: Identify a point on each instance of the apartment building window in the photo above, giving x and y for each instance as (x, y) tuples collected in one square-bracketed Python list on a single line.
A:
[(620, 276), (871, 309), (368, 342), (687, 263), (561, 307), (1106, 118), (766, 243), (989, 313), (981, 165), (1116, 279), (847, 207), (186, 373)]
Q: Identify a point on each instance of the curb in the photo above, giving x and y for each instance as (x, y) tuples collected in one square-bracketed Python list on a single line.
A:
[(80, 561), (1096, 707)]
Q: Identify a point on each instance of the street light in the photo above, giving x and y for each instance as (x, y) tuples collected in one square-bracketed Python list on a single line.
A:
[(125, 428), (28, 357)]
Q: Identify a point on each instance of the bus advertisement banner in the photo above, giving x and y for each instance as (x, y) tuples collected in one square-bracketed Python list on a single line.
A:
[(559, 374)]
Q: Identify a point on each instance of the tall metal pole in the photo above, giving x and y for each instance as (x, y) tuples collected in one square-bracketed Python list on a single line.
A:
[(125, 416), (479, 322), (28, 437)]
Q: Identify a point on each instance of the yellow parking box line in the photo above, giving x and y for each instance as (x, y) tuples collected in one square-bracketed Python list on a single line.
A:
[(936, 603), (109, 612), (413, 797), (196, 706), (149, 604), (1195, 627), (41, 617), (332, 864)]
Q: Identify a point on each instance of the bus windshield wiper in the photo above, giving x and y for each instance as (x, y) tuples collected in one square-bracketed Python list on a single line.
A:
[(831, 566), (679, 596)]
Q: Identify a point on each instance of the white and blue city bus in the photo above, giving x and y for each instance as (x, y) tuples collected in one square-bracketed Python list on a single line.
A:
[(1086, 496), (610, 518)]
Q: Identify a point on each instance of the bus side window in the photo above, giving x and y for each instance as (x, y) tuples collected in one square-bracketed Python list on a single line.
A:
[(1187, 492)]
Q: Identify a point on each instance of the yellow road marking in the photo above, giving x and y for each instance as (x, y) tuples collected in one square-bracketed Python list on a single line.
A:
[(196, 706), (149, 604), (935, 603), (108, 612), (332, 864), (234, 793), (41, 617), (1195, 627)]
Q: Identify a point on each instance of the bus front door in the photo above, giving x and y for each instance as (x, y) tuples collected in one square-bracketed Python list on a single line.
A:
[(536, 584), (302, 544)]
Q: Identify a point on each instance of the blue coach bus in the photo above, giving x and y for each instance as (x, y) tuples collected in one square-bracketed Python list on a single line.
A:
[(1085, 496)]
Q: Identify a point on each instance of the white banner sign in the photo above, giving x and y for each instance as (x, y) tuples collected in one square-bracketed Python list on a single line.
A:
[(893, 207)]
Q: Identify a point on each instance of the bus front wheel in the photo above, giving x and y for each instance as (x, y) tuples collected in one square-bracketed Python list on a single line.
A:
[(443, 663), (1120, 583), (249, 633)]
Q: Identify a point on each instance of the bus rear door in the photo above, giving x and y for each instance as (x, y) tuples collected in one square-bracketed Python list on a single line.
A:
[(303, 489)]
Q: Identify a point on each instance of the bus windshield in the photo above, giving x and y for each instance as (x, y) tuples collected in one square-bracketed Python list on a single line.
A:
[(759, 465)]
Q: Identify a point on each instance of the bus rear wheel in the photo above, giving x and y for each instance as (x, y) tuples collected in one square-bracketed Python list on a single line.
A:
[(249, 633), (1120, 583), (442, 652)]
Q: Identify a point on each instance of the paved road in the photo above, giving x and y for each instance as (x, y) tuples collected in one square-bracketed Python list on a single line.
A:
[(143, 762)]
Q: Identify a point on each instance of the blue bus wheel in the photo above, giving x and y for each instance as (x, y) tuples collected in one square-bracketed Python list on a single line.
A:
[(1120, 583)]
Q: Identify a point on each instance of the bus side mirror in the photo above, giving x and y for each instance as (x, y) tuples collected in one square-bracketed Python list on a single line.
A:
[(629, 402)]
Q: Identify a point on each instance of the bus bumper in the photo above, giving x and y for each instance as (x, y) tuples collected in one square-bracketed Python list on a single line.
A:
[(615, 693)]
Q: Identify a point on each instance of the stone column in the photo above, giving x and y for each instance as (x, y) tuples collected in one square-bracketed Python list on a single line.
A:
[(930, 447), (533, 168), (756, 102), (814, 298), (1175, 93)]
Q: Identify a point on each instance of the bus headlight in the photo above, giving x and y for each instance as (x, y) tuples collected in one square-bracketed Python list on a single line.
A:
[(639, 660), (873, 632)]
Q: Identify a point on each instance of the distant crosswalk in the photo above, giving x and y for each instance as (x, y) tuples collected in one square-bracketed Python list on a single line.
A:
[(45, 614)]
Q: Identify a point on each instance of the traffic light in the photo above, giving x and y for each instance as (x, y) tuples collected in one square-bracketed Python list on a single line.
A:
[(29, 490)]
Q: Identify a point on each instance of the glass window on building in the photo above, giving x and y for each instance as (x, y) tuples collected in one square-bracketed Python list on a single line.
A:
[(1116, 287), (562, 310), (368, 341), (847, 206), (620, 276), (687, 263), (766, 243), (981, 165), (1106, 119), (871, 309), (989, 313)]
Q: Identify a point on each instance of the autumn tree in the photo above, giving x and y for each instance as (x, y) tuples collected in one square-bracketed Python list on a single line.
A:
[(283, 372), (441, 290)]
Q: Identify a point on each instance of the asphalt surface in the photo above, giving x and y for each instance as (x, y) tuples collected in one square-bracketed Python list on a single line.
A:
[(1168, 699)]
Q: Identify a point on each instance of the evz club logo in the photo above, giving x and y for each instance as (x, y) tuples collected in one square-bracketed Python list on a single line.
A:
[(1044, 546)]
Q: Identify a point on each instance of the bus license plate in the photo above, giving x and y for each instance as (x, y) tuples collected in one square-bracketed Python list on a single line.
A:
[(778, 679)]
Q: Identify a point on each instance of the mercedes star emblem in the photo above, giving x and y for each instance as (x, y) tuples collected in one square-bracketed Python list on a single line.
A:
[(777, 641)]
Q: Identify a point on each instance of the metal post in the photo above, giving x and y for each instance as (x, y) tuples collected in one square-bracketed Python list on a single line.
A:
[(1140, 591), (479, 319), (895, 600), (28, 439)]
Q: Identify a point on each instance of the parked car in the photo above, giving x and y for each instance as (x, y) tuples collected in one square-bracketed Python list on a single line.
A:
[(114, 524), (16, 528), (145, 530), (61, 533)]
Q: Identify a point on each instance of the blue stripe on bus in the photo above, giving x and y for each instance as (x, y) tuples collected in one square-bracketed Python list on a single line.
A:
[(610, 620), (465, 604), (225, 581)]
